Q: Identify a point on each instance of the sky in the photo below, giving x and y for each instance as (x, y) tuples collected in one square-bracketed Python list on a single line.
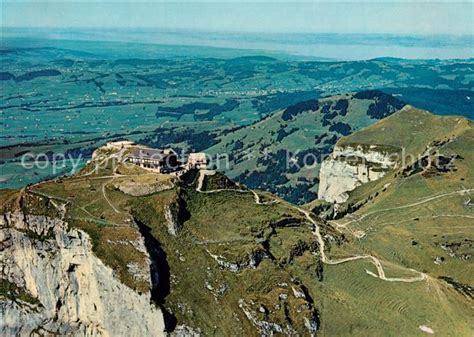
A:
[(401, 17)]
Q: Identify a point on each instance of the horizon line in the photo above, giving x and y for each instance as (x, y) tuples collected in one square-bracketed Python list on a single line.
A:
[(243, 32)]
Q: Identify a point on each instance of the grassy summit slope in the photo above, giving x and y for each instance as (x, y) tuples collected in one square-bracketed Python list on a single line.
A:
[(416, 134), (418, 217), (410, 128)]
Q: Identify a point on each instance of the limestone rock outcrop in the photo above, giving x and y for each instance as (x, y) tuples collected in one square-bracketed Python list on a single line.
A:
[(350, 166), (52, 283), (138, 189)]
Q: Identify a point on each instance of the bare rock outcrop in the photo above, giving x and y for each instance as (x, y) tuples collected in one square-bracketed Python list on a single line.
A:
[(52, 283), (350, 166), (138, 189)]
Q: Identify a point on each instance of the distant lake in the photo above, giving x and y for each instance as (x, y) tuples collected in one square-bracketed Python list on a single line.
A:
[(309, 45)]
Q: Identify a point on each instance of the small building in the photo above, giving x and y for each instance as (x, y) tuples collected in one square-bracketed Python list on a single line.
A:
[(197, 160), (118, 145), (163, 161)]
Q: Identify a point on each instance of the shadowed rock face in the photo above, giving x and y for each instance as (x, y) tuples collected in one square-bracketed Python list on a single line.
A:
[(160, 274)]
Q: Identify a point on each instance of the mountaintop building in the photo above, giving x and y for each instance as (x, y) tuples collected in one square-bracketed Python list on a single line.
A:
[(163, 161)]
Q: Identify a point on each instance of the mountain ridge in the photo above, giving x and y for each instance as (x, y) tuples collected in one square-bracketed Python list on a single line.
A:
[(269, 266)]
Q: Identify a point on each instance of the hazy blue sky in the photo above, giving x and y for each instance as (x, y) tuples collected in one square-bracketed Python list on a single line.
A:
[(406, 17)]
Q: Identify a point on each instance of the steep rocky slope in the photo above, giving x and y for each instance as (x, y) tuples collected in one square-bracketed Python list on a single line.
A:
[(53, 283), (410, 141), (353, 165)]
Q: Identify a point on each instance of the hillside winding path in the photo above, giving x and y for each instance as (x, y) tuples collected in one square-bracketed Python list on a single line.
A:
[(438, 196), (375, 261), (324, 258), (107, 199)]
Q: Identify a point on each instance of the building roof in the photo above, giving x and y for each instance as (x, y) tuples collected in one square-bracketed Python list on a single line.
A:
[(156, 154)]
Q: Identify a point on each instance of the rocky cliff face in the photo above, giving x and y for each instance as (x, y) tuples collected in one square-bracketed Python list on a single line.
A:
[(350, 166), (52, 283)]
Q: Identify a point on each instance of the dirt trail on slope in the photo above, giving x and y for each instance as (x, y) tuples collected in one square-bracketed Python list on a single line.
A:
[(107, 199), (324, 258), (375, 261), (460, 192)]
